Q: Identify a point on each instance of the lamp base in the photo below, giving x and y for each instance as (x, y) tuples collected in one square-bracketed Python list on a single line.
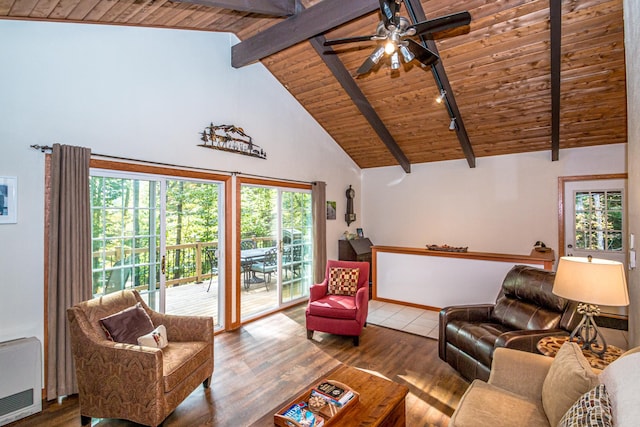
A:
[(587, 332)]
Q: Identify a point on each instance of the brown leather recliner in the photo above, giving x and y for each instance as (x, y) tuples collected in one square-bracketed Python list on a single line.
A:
[(525, 311)]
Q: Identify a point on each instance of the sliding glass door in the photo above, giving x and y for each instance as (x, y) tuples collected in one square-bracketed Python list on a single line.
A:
[(160, 236), (275, 247)]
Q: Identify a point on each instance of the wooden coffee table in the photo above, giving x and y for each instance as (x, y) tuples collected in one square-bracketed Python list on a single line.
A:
[(381, 403)]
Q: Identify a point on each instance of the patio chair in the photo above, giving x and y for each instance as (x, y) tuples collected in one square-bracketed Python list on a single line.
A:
[(267, 266), (212, 259)]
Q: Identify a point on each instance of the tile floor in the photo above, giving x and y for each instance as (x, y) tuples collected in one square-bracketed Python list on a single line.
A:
[(408, 319)]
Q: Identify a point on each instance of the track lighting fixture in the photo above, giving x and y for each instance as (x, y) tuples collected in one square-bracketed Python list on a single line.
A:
[(452, 125), (440, 98)]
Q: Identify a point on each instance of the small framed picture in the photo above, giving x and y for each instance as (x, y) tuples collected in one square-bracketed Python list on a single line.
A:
[(360, 233), (331, 210), (8, 199)]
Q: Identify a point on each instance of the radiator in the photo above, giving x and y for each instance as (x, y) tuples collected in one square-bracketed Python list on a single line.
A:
[(20, 379)]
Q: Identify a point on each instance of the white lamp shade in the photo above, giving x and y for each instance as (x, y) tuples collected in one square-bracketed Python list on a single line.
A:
[(591, 281)]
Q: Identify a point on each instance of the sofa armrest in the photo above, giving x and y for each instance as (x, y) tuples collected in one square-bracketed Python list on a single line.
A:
[(519, 372), (470, 313), (526, 340)]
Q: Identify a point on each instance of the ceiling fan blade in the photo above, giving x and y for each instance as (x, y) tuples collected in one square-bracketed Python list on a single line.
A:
[(366, 66), (422, 54), (442, 23), (348, 40), (390, 10)]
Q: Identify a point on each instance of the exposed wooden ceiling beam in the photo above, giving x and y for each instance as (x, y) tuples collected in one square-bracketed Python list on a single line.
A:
[(415, 10), (263, 7), (305, 24), (555, 14), (359, 99)]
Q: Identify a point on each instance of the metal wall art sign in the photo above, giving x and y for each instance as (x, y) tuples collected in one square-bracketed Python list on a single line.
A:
[(232, 139)]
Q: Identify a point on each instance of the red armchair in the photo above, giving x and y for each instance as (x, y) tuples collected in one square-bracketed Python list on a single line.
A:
[(335, 313)]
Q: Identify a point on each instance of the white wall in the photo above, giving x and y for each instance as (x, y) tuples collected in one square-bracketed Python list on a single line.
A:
[(145, 94), (632, 57), (503, 205)]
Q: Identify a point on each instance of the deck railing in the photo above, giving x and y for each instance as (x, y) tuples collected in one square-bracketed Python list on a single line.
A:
[(184, 263)]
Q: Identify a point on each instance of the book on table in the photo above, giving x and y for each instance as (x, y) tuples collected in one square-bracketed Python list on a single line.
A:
[(321, 405)]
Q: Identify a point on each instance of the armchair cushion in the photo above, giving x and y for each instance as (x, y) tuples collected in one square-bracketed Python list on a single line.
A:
[(569, 377), (335, 306), (180, 359), (156, 338), (343, 281), (127, 325)]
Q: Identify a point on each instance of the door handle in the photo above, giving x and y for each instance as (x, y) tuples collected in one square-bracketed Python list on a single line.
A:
[(163, 264)]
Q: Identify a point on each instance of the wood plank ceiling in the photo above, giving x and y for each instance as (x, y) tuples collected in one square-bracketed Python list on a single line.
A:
[(498, 69)]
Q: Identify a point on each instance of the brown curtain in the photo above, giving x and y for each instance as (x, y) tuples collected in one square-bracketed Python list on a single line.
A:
[(69, 263), (319, 208)]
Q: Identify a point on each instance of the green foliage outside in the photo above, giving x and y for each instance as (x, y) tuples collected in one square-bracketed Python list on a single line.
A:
[(599, 220), (126, 227)]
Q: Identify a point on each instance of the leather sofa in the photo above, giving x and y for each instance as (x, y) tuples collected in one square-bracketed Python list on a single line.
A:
[(524, 312), (133, 382)]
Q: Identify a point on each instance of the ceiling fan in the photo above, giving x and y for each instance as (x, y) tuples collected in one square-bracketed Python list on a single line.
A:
[(393, 35)]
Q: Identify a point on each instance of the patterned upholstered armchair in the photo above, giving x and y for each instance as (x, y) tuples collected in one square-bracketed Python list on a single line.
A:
[(140, 384), (336, 307)]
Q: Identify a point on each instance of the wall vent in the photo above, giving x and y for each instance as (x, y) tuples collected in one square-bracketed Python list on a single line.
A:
[(20, 379)]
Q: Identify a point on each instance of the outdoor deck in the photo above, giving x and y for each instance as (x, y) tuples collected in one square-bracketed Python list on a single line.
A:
[(192, 299)]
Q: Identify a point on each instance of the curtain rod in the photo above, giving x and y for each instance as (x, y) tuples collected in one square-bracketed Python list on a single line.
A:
[(47, 148)]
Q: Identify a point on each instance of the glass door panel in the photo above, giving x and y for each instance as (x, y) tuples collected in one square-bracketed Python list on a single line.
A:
[(258, 249), (161, 237), (275, 247), (193, 248), (125, 236), (296, 237)]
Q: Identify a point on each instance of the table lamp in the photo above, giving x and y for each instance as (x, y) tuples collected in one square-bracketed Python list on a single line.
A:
[(591, 282)]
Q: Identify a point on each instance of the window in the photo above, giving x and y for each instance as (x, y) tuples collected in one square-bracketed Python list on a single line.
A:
[(598, 220)]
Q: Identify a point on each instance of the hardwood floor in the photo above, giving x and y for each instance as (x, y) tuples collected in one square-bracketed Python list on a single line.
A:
[(260, 366)]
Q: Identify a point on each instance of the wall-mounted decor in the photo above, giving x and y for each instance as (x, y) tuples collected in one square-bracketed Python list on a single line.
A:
[(350, 216), (8, 199), (232, 139), (331, 210)]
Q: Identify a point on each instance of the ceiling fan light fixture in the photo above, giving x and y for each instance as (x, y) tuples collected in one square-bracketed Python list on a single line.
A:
[(406, 54), (377, 54), (395, 61), (389, 47), (440, 98)]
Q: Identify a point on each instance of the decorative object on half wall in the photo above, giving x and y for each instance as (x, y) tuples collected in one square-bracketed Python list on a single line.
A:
[(447, 248), (232, 139)]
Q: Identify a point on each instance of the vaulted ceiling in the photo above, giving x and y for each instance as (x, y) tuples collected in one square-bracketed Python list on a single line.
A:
[(525, 75)]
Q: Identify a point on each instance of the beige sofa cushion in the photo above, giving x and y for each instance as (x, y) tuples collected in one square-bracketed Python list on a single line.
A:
[(622, 380), (569, 377), (486, 405)]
